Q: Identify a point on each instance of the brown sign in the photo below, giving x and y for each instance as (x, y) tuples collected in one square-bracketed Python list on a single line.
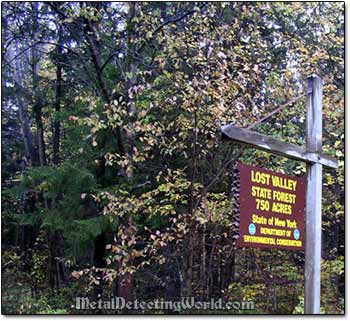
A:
[(271, 209)]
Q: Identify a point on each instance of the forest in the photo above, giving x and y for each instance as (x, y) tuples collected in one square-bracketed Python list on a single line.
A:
[(115, 179)]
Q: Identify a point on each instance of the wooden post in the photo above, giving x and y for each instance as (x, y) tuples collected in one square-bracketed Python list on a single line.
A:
[(313, 198), (312, 155)]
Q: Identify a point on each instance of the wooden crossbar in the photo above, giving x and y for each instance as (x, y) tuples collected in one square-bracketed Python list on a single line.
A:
[(312, 155), (275, 146)]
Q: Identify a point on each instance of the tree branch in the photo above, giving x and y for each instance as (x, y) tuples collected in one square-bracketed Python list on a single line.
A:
[(162, 25), (260, 120), (234, 157)]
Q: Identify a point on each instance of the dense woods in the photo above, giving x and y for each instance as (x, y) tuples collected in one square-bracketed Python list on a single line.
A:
[(115, 180)]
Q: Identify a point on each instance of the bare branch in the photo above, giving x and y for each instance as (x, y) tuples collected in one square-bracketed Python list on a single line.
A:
[(172, 20), (260, 120)]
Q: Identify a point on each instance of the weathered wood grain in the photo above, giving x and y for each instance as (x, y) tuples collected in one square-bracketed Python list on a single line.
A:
[(272, 145), (313, 226), (311, 154)]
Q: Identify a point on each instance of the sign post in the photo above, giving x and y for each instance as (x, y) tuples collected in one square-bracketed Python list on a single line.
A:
[(313, 199), (312, 155)]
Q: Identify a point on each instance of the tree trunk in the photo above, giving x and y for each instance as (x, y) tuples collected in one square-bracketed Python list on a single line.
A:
[(126, 280), (123, 283), (37, 108), (57, 124), (23, 116)]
